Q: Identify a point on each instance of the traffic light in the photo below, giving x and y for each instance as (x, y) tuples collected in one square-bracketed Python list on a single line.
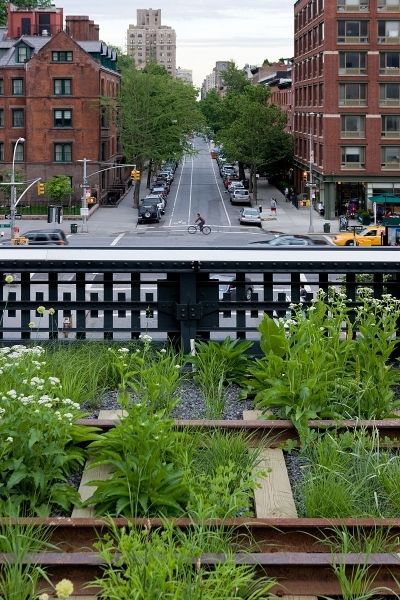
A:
[(135, 175), (305, 175), (40, 189)]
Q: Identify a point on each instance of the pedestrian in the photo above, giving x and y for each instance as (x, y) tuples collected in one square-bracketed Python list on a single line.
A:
[(273, 206), (321, 209), (260, 208), (286, 192)]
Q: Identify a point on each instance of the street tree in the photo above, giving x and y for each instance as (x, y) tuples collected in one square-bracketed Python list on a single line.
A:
[(156, 114), (257, 136), (58, 188)]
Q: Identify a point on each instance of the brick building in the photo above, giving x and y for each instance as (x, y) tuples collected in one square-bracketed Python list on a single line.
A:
[(347, 99), (51, 84)]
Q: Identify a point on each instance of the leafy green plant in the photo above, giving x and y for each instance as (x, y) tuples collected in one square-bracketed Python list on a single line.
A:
[(39, 439), (167, 563), (310, 369), (215, 365), (143, 454)]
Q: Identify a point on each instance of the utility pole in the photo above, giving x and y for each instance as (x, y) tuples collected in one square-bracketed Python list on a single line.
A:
[(13, 207), (310, 183), (85, 185)]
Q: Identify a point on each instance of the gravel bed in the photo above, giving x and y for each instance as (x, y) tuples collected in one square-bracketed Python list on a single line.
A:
[(190, 405), (296, 465)]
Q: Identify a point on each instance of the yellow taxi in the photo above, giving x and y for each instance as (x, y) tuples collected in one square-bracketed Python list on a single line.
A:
[(370, 236)]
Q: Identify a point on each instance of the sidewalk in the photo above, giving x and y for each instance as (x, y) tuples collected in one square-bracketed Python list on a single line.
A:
[(289, 219)]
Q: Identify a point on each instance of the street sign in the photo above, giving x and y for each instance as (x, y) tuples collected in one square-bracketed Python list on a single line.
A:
[(5, 225), (314, 185), (84, 212)]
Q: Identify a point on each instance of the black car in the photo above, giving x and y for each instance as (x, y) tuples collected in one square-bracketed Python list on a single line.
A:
[(149, 213), (294, 240)]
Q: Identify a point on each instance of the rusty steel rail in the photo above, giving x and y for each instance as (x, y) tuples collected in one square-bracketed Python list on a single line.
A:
[(296, 573), (264, 535)]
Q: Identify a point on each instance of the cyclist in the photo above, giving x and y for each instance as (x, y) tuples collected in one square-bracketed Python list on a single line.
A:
[(200, 221)]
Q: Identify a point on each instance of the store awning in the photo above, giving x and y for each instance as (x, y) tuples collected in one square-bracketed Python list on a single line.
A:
[(385, 199)]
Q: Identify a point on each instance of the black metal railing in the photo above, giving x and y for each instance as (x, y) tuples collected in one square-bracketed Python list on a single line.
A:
[(180, 294)]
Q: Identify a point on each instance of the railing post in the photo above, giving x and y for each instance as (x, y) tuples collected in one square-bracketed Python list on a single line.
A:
[(188, 298)]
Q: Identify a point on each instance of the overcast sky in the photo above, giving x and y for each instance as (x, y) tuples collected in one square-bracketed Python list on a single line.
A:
[(247, 31)]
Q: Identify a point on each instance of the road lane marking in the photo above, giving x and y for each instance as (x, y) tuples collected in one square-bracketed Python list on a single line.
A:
[(219, 192), (116, 240), (190, 192), (177, 191)]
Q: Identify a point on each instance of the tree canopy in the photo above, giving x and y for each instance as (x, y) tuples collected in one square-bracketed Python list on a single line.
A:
[(251, 130), (156, 115), (58, 188)]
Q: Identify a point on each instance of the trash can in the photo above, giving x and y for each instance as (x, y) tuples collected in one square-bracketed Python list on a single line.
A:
[(74, 228), (327, 227)]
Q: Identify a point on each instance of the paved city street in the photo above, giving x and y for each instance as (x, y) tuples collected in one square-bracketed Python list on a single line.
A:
[(197, 187)]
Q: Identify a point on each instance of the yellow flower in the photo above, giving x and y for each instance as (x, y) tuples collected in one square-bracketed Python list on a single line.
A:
[(64, 589), (9, 278), (40, 310), (51, 311)]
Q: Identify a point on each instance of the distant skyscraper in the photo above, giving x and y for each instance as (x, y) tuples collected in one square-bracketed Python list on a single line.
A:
[(185, 74), (149, 41)]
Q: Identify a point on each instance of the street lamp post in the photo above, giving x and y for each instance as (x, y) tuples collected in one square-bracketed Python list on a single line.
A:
[(14, 189), (310, 183), (85, 186)]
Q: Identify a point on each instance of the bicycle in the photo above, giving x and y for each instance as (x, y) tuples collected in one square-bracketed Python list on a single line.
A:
[(206, 230)]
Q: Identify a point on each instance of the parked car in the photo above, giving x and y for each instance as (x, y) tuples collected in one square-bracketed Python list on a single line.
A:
[(155, 199), (148, 213), (230, 179), (162, 183), (160, 190), (240, 196), (294, 240), (370, 236), (167, 175), (227, 170), (250, 216), (234, 184), (228, 286), (46, 237)]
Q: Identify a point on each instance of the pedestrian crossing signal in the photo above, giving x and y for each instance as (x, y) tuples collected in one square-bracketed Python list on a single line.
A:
[(135, 175)]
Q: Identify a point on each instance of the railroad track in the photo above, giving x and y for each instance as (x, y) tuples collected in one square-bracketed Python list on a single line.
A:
[(282, 546)]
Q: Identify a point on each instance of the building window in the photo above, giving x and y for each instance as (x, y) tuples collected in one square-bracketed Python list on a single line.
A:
[(19, 154), (22, 54), (62, 56), (17, 117), (63, 152), (389, 63), (391, 126), (17, 87), (352, 32), (389, 94), (1, 117), (353, 157), (389, 5), (352, 126), (388, 32), (352, 5), (62, 87), (1, 151), (390, 157), (1, 87), (63, 117), (352, 94), (352, 63)]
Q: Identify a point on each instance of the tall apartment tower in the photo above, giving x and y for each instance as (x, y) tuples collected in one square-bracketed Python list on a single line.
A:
[(347, 100), (149, 41)]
